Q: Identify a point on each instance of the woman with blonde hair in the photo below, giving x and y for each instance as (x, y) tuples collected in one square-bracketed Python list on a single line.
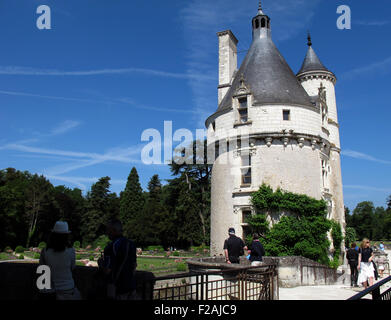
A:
[(365, 257)]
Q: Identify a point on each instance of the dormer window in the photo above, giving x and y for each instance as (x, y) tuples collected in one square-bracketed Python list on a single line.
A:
[(242, 101), (243, 109)]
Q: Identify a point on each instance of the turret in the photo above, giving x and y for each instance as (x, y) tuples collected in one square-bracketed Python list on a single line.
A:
[(319, 82)]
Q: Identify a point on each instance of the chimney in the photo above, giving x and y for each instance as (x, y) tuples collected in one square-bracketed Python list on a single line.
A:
[(228, 61)]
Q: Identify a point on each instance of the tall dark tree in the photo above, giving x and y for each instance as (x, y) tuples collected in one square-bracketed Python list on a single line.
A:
[(13, 225), (362, 219), (97, 210), (69, 204), (195, 173), (131, 204), (156, 221), (38, 197)]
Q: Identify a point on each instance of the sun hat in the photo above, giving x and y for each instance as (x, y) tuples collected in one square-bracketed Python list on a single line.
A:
[(231, 231), (61, 227)]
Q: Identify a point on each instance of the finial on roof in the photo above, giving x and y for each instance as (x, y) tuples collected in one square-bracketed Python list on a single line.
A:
[(260, 8), (309, 39)]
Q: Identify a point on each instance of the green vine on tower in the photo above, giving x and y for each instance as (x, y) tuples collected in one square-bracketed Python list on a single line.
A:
[(302, 229)]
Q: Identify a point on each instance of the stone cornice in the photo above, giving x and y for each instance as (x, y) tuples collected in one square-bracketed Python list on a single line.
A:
[(317, 75)]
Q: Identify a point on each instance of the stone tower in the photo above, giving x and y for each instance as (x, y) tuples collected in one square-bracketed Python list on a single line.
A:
[(271, 126)]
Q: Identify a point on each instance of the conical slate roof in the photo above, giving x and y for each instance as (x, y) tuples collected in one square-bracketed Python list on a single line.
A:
[(312, 62), (268, 77)]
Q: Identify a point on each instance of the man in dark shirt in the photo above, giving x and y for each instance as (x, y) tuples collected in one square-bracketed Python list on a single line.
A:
[(257, 251), (120, 262), (352, 256), (233, 247)]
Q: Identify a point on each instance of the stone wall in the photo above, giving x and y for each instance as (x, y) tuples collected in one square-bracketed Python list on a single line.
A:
[(18, 282)]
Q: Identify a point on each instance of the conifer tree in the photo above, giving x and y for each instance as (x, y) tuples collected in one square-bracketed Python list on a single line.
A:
[(131, 204), (97, 211)]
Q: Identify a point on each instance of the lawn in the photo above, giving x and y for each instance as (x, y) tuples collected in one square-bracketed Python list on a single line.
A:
[(161, 265)]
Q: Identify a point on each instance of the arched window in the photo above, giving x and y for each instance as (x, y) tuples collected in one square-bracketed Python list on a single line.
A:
[(263, 23), (256, 23)]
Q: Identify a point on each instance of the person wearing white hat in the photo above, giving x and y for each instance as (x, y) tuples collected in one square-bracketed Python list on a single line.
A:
[(61, 258)]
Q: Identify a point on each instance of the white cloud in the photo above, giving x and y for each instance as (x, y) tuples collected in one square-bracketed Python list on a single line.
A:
[(368, 188), (82, 182), (28, 71), (126, 101), (85, 159), (363, 156), (65, 127), (379, 67)]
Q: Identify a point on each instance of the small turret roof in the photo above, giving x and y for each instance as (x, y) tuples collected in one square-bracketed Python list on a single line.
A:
[(311, 61)]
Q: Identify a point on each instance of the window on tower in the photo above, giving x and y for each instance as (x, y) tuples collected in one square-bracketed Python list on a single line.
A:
[(263, 23), (256, 23), (246, 213), (325, 172), (243, 110), (286, 115), (246, 170)]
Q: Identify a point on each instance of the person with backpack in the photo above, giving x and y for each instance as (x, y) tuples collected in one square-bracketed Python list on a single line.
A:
[(257, 251), (119, 264), (352, 257), (233, 247)]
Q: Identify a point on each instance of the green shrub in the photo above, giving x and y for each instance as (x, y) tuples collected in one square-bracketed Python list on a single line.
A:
[(350, 236), (175, 254), (91, 258), (101, 242), (19, 249), (4, 256), (181, 267), (155, 248), (42, 245), (76, 244), (78, 257), (21, 257), (7, 248), (37, 255)]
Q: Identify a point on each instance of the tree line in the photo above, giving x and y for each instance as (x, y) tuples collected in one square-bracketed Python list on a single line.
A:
[(174, 214), (368, 221)]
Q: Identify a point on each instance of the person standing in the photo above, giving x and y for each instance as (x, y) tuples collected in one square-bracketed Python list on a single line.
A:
[(365, 257), (352, 256), (233, 247), (119, 263), (61, 259), (257, 251)]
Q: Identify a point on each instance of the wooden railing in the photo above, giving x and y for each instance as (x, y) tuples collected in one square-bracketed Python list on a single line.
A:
[(375, 291)]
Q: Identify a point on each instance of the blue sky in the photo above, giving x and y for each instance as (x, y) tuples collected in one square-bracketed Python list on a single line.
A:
[(75, 99)]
